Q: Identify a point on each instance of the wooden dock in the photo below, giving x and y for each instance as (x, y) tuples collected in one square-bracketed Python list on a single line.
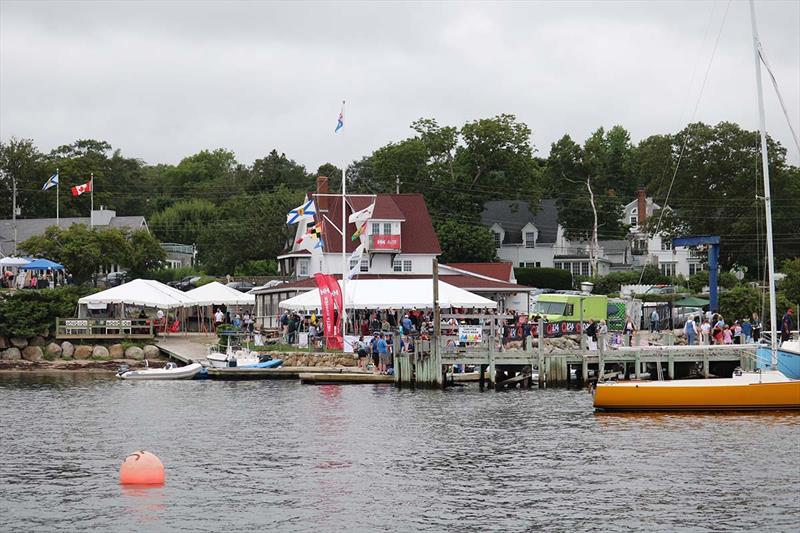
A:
[(284, 372), (345, 378)]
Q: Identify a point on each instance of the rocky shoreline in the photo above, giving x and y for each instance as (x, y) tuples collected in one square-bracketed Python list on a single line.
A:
[(41, 353)]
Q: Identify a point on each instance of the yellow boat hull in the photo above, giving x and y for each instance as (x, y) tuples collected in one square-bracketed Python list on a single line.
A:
[(650, 396)]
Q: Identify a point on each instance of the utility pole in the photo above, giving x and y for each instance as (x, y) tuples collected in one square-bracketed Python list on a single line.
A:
[(593, 246), (397, 184), (14, 210)]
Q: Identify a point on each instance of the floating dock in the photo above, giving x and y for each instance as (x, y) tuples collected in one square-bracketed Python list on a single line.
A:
[(284, 372)]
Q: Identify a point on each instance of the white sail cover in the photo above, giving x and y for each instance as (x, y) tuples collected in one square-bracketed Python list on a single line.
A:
[(215, 293), (395, 293)]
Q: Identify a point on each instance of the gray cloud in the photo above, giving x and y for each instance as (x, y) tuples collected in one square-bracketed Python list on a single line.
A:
[(164, 80)]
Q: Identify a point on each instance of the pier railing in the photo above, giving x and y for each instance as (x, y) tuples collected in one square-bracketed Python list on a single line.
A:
[(104, 328)]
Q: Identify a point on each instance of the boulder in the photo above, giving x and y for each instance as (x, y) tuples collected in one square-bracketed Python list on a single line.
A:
[(3, 343), (116, 351), (37, 341), (99, 352), (10, 354), (67, 349), (151, 352), (53, 350), (82, 352), (134, 352), (33, 353), (19, 342)]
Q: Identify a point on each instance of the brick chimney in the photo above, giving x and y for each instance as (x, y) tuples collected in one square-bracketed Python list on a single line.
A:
[(641, 195), (322, 188)]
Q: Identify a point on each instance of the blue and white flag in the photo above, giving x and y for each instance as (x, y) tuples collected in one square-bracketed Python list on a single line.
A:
[(355, 259), (52, 182), (340, 123), (303, 212)]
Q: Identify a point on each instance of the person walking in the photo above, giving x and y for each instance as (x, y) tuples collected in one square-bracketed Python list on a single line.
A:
[(629, 329), (690, 330), (705, 332), (219, 317), (654, 321)]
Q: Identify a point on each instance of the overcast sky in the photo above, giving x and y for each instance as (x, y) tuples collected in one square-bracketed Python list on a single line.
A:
[(164, 80)]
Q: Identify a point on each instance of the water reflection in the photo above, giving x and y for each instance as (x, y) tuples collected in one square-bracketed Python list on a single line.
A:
[(145, 504)]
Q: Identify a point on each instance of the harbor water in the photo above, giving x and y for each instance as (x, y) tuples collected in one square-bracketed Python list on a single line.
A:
[(277, 455)]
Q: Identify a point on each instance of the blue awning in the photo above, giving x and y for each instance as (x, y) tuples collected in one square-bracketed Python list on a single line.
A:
[(43, 264)]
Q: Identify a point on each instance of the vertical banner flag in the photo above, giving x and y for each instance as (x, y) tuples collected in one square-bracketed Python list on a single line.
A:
[(330, 295), (77, 190), (360, 219), (356, 256), (340, 122), (52, 182), (303, 212)]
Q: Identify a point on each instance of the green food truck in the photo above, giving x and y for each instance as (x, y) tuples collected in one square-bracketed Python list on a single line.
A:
[(567, 308)]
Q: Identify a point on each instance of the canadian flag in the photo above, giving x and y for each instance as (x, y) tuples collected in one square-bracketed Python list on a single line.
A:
[(77, 190)]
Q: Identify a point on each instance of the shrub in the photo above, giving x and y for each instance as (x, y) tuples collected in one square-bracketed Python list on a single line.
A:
[(258, 267), (30, 312), (739, 302), (546, 278), (166, 275)]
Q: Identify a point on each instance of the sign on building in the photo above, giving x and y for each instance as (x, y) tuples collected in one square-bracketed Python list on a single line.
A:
[(470, 333)]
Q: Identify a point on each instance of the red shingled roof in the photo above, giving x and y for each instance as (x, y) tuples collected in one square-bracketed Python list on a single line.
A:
[(502, 271), (416, 228)]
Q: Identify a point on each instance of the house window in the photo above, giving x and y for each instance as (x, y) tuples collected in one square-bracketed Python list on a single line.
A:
[(303, 267), (536, 264), (365, 265), (397, 265), (666, 244), (376, 228), (530, 239), (387, 228), (496, 239), (353, 263), (173, 263), (585, 268), (576, 268), (667, 269), (559, 265), (407, 265), (694, 268), (634, 218)]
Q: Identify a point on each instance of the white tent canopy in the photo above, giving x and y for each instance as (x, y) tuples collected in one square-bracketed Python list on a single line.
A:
[(215, 293), (13, 261), (395, 293), (142, 292)]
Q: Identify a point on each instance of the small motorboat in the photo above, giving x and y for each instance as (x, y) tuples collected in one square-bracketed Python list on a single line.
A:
[(270, 363), (231, 358), (169, 371)]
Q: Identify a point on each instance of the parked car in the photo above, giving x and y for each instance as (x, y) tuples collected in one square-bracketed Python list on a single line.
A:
[(242, 286), (185, 284), (113, 279), (662, 289), (683, 313)]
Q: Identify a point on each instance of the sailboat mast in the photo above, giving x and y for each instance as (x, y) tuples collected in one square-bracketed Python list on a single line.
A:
[(773, 317)]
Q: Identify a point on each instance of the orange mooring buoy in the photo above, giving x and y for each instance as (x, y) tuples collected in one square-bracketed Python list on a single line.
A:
[(141, 468)]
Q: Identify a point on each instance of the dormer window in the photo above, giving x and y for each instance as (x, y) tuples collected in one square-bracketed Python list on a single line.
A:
[(634, 218), (530, 239), (496, 236), (387, 228)]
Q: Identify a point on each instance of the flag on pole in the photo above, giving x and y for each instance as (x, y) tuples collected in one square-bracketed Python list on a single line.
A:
[(340, 123), (311, 240), (359, 232), (303, 212), (363, 215), (356, 256), (77, 190), (51, 182)]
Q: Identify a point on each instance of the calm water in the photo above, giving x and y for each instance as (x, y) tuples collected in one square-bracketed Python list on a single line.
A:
[(245, 456)]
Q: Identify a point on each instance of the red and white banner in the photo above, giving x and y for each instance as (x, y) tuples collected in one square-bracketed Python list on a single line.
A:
[(330, 296), (385, 242), (77, 190)]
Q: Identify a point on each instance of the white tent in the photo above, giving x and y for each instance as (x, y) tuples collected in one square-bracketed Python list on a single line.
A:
[(395, 293), (215, 293), (142, 292), (11, 261)]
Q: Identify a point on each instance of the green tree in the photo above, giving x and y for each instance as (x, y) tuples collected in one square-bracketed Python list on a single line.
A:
[(29, 313), (790, 285), (184, 221), (145, 253), (461, 243), (21, 162), (274, 170), (739, 302)]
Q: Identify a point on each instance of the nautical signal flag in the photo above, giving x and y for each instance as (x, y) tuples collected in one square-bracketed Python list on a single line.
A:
[(359, 232), (51, 182), (303, 212), (340, 122), (311, 240), (77, 190), (363, 215)]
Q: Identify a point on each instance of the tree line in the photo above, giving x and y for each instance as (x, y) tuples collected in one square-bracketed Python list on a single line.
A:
[(235, 212)]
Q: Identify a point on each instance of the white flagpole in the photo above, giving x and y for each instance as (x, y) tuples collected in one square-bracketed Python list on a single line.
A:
[(91, 192), (345, 270), (58, 186)]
